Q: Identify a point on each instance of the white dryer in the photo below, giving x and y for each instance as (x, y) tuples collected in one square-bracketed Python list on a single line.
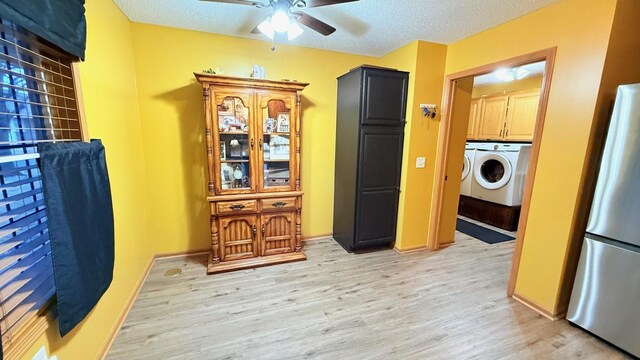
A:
[(467, 168), (499, 172)]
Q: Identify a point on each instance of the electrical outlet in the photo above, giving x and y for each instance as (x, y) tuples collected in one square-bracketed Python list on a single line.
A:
[(421, 162)]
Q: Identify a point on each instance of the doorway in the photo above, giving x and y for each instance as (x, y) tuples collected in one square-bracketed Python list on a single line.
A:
[(495, 132)]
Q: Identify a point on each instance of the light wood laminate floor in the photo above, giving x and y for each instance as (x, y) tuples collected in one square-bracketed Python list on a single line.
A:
[(449, 304)]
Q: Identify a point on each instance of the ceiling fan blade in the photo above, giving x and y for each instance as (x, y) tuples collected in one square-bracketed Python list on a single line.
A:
[(314, 24), (318, 3), (239, 2), (256, 30)]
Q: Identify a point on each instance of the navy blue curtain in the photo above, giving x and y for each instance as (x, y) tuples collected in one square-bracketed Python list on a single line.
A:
[(77, 196), (61, 22)]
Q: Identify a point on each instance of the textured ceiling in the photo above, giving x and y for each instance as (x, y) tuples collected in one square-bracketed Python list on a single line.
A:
[(368, 27)]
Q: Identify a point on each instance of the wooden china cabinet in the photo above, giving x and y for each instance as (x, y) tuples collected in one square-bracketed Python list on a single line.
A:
[(253, 154)]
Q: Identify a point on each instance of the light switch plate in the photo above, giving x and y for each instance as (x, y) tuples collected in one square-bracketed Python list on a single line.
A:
[(421, 162)]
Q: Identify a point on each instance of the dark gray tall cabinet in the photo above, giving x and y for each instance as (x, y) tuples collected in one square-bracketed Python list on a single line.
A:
[(370, 130)]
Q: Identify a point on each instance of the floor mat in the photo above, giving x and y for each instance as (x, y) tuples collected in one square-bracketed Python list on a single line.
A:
[(481, 233)]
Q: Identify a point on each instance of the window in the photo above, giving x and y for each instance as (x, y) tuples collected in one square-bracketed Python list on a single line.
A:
[(37, 104)]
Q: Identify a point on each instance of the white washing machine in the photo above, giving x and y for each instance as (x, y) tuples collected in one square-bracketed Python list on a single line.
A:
[(467, 168), (499, 171)]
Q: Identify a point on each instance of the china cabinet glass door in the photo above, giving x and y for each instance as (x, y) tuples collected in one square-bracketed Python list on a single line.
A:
[(277, 142), (235, 143)]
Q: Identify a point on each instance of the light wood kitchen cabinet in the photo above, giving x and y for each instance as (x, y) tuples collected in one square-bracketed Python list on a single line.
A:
[(474, 119), (252, 131), (492, 117), (507, 117), (521, 116)]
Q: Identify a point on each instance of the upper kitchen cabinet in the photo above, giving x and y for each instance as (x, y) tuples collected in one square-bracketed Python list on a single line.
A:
[(492, 117), (504, 117), (521, 116), (474, 119)]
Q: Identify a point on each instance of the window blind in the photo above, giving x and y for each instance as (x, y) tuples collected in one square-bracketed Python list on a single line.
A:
[(37, 104)]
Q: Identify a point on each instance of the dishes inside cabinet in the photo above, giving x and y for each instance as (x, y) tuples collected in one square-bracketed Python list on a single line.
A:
[(234, 175), (233, 116), (279, 147)]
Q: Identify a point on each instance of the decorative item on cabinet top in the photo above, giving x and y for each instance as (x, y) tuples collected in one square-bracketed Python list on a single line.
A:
[(253, 157)]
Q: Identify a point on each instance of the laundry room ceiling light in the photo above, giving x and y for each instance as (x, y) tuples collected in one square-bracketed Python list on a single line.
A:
[(510, 74)]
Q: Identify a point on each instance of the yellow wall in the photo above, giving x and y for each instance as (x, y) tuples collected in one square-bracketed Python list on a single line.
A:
[(111, 105), (621, 67), (173, 129), (173, 125), (404, 59), (425, 61), (534, 82), (581, 34), (155, 105)]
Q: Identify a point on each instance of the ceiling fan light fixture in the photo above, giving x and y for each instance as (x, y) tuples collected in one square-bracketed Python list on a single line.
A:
[(521, 73), (510, 74), (280, 21), (294, 30), (504, 74), (266, 27), (273, 25)]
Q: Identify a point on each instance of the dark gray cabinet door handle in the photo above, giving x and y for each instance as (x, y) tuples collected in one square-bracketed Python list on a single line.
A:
[(236, 207), (279, 204)]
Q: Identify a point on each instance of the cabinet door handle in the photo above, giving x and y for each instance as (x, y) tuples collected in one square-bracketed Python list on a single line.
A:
[(255, 231), (236, 207), (260, 144), (279, 204), (263, 230), (252, 143), (506, 133), (501, 133)]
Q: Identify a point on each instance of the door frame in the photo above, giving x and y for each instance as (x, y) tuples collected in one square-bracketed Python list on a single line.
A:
[(444, 140)]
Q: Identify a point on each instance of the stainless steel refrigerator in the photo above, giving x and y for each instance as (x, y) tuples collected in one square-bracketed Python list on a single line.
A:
[(606, 293)]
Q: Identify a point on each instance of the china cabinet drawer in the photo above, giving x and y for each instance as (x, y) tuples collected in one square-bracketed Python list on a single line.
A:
[(233, 207), (278, 204)]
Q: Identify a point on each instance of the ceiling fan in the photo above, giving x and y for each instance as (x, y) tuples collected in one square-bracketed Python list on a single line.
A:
[(286, 16)]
